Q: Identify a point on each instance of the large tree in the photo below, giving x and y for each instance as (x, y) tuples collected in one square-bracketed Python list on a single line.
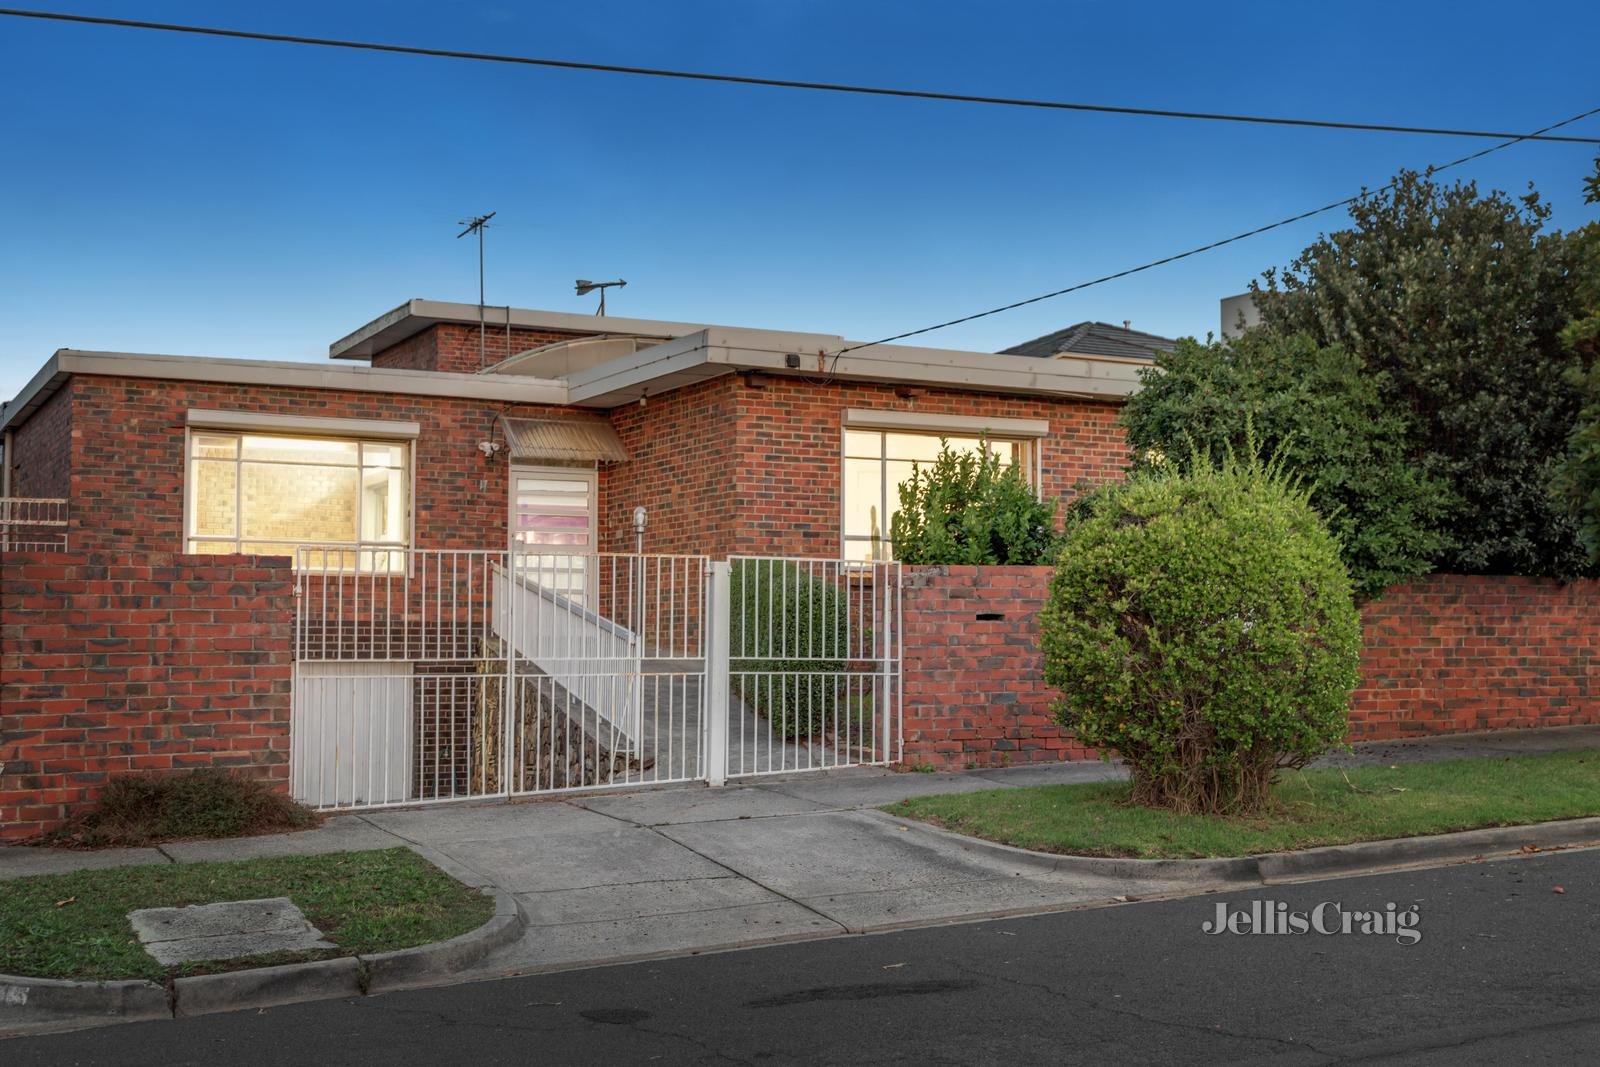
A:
[(1577, 480), (1460, 300), (1330, 421)]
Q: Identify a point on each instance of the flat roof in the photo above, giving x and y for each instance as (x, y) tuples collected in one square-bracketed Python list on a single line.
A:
[(67, 362), (688, 353), (416, 315)]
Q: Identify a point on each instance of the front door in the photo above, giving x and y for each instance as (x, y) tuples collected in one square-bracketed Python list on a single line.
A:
[(553, 527)]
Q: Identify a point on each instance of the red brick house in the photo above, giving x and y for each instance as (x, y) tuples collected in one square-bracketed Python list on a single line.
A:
[(432, 638), (468, 612), (732, 439)]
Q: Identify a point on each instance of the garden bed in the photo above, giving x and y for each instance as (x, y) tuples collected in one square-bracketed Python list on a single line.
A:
[(1308, 809)]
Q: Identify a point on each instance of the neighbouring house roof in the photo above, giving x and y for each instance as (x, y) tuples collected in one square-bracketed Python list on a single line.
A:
[(1094, 339), (542, 440)]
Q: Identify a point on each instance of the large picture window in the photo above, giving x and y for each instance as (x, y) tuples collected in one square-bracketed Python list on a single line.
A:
[(271, 494), (876, 462)]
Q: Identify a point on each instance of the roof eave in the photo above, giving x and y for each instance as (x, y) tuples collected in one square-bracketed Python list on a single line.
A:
[(40, 388), (715, 352), (416, 315), (247, 372)]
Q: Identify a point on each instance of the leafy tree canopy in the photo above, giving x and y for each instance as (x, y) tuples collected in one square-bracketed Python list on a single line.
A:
[(1577, 478), (1460, 301), (1325, 416)]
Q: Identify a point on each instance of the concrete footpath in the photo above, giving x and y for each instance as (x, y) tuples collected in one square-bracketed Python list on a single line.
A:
[(608, 877)]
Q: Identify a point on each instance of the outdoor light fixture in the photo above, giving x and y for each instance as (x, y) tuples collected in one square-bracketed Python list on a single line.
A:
[(584, 287)]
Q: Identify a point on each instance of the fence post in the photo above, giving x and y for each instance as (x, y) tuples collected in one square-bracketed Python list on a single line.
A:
[(718, 639), (890, 575)]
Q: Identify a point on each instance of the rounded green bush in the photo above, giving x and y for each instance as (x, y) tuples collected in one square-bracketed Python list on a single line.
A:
[(1202, 626)]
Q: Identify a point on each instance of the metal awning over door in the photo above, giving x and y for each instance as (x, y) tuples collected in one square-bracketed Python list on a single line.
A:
[(562, 440)]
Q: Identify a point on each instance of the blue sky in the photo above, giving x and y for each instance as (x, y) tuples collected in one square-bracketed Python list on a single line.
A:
[(176, 194)]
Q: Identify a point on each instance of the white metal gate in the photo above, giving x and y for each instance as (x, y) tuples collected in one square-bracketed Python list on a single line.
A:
[(436, 675), (813, 664)]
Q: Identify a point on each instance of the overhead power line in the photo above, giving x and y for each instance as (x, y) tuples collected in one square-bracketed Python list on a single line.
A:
[(1164, 260), (775, 83)]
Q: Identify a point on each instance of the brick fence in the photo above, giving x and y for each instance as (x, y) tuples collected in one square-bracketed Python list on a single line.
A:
[(1445, 654), (112, 664), (1452, 654), (974, 692)]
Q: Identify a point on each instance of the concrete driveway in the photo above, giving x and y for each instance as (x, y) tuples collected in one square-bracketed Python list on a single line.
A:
[(624, 876)]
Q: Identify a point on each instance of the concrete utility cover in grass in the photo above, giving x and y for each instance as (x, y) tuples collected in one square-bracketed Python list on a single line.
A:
[(224, 931)]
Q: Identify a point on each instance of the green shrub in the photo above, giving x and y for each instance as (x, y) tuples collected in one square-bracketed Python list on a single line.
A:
[(790, 633), (1329, 418), (142, 809), (1202, 626), (967, 509)]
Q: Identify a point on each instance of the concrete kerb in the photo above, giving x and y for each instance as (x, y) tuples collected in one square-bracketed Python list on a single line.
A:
[(1290, 866), (408, 968), (45, 1000), (49, 1002)]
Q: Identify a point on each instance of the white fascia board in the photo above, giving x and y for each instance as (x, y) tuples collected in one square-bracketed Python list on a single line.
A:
[(393, 429), (576, 322), (315, 376), (414, 316), (1087, 377), (633, 374), (723, 350), (874, 419)]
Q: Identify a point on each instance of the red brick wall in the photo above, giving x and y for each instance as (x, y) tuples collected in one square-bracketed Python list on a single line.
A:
[(720, 466), (683, 470), (128, 477), (451, 346), (110, 665), (974, 691), (1446, 654), (1453, 653), (789, 452), (41, 459)]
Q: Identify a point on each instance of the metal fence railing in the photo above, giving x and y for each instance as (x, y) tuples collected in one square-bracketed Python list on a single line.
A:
[(813, 664), (459, 674), (33, 524)]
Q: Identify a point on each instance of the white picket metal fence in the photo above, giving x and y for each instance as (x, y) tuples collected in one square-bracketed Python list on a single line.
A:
[(436, 675)]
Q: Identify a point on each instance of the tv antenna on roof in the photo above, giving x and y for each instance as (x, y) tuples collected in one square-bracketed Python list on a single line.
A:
[(477, 224), (584, 287)]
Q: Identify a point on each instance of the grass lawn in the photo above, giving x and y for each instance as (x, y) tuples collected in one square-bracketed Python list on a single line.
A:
[(76, 925), (1311, 808)]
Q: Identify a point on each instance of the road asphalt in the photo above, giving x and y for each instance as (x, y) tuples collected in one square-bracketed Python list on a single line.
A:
[(1505, 971)]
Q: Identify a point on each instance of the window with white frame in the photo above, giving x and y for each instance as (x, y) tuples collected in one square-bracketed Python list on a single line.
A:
[(274, 493), (876, 462)]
